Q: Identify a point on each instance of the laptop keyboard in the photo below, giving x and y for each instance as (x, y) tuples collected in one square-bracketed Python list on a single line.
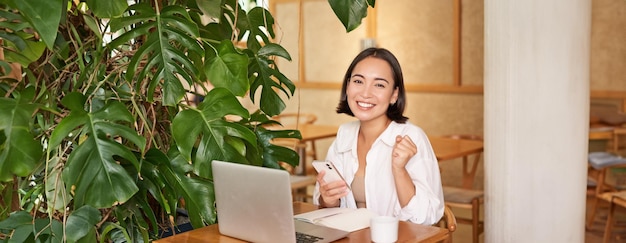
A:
[(304, 238)]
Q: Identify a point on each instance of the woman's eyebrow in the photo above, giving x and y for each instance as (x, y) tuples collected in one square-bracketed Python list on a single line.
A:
[(357, 75), (363, 77), (382, 79)]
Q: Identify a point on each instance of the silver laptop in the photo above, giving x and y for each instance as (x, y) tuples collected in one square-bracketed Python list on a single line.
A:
[(254, 204)]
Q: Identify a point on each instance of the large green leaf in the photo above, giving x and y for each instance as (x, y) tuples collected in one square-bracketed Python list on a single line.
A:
[(259, 23), (267, 76), (12, 32), (81, 223), (155, 183), (116, 232), (20, 226), (218, 138), (15, 220), (24, 228), (130, 216), (32, 51), (228, 69), (350, 13), (107, 9), (93, 171), (43, 15), (163, 59), (56, 194), (210, 8), (272, 153), (20, 153), (233, 18), (197, 192)]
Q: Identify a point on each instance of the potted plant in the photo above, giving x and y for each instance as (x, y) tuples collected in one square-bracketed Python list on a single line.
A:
[(99, 139)]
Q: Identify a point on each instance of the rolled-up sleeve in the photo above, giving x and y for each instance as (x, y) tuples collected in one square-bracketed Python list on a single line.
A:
[(426, 206)]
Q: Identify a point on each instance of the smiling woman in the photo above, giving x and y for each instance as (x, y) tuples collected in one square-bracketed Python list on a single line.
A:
[(378, 154)]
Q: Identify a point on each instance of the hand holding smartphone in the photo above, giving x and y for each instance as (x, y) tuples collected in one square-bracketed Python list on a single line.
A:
[(331, 172)]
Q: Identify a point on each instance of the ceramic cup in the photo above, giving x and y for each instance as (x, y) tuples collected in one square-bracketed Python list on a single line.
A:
[(384, 229)]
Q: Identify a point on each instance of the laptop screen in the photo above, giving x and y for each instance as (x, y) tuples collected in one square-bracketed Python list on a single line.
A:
[(253, 203)]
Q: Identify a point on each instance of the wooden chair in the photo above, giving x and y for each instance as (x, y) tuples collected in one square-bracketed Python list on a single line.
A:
[(465, 197), (299, 184), (448, 221), (614, 199), (598, 173)]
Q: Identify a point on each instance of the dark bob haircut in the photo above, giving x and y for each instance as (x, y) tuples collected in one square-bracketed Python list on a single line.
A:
[(395, 111)]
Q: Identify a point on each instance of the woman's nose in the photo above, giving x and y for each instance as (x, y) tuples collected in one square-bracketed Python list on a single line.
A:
[(366, 91)]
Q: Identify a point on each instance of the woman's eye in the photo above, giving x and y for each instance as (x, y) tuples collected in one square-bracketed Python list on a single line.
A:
[(357, 81), (380, 85)]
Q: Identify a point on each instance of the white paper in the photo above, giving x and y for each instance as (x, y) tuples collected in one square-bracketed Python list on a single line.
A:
[(346, 219)]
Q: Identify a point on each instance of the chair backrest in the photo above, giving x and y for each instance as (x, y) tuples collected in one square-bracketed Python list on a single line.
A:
[(449, 219), (617, 142)]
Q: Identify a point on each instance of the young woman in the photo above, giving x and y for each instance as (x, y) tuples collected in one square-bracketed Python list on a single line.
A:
[(387, 161)]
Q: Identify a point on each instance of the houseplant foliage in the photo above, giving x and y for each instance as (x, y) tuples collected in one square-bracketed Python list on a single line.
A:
[(99, 139)]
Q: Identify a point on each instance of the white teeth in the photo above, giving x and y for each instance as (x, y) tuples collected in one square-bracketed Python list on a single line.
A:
[(365, 105)]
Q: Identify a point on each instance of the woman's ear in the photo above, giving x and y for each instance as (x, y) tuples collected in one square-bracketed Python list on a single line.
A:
[(394, 96)]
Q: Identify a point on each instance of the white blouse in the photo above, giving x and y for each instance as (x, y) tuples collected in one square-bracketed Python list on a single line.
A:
[(426, 207)]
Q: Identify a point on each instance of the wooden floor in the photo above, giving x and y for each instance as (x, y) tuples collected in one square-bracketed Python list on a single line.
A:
[(463, 234)]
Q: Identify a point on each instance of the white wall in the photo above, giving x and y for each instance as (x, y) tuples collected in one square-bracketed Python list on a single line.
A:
[(536, 119)]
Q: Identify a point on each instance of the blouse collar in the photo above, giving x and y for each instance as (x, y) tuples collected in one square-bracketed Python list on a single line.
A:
[(351, 131)]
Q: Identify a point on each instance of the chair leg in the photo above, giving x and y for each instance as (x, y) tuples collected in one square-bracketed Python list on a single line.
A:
[(594, 204), (592, 215), (609, 223), (313, 150), (475, 220)]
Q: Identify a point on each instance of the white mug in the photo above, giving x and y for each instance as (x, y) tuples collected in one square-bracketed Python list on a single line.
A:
[(384, 229)]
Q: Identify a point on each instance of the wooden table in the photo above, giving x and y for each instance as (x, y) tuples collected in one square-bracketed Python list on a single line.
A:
[(610, 134), (601, 133), (450, 148), (310, 133), (407, 232)]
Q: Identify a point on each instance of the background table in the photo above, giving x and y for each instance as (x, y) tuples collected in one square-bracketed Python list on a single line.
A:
[(310, 133), (449, 148), (453, 148)]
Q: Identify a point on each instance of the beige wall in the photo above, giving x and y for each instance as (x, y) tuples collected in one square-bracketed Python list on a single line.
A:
[(420, 33), (608, 45)]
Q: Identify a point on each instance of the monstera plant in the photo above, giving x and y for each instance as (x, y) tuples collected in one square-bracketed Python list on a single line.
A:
[(99, 139)]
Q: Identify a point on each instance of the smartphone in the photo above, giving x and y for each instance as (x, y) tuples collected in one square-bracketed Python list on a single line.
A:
[(331, 172)]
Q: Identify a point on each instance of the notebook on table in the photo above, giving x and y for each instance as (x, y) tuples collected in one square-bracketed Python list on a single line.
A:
[(254, 204)]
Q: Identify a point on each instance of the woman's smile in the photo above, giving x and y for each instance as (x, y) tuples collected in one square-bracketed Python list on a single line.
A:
[(365, 105)]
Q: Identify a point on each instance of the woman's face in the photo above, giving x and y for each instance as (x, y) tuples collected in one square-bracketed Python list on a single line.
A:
[(371, 90)]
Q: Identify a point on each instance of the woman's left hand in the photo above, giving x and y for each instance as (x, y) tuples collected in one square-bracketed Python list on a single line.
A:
[(403, 150)]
